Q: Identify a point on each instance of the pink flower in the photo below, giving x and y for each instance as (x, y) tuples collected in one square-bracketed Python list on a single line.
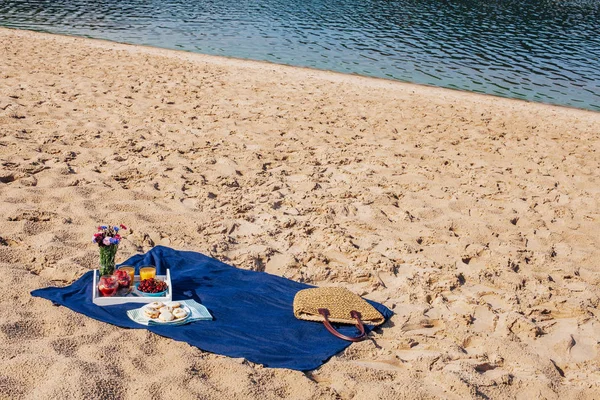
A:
[(108, 235)]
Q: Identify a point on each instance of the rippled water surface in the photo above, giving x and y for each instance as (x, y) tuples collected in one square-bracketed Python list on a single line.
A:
[(541, 50)]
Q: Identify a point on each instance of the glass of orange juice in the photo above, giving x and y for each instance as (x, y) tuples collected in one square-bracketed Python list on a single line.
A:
[(130, 271), (147, 272)]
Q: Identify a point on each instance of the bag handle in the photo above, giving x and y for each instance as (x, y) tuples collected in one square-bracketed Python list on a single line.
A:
[(354, 314)]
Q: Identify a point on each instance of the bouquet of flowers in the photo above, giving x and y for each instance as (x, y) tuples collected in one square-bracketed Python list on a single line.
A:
[(108, 239)]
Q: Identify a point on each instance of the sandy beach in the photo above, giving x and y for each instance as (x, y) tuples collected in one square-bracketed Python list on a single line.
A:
[(476, 219)]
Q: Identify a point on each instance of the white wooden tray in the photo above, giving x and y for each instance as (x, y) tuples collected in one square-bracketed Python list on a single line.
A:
[(133, 297)]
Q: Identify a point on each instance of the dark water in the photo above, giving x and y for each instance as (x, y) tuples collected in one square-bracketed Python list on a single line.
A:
[(540, 50)]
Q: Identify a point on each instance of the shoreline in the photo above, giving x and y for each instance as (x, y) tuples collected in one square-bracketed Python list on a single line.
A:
[(247, 63), (474, 218)]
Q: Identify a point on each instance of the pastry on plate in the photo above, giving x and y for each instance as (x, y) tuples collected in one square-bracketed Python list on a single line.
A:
[(179, 313), (156, 305), (166, 316), (151, 312)]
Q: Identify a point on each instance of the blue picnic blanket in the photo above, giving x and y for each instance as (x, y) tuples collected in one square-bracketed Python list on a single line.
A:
[(253, 314)]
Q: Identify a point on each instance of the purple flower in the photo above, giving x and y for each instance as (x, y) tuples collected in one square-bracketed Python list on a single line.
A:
[(108, 235)]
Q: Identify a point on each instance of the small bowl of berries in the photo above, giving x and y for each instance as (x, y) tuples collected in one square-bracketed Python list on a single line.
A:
[(152, 287)]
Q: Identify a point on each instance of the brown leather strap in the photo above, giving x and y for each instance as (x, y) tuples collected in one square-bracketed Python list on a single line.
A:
[(354, 314)]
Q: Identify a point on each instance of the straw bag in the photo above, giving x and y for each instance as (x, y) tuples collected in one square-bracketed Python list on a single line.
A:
[(340, 305)]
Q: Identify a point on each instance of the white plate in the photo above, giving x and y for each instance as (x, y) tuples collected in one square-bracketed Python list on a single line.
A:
[(167, 303)]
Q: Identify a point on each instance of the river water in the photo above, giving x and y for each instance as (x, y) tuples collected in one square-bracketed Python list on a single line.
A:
[(540, 50)]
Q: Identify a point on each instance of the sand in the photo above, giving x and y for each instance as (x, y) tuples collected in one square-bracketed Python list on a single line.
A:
[(475, 218)]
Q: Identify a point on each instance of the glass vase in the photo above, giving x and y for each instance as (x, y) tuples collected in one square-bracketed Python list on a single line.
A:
[(107, 259)]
